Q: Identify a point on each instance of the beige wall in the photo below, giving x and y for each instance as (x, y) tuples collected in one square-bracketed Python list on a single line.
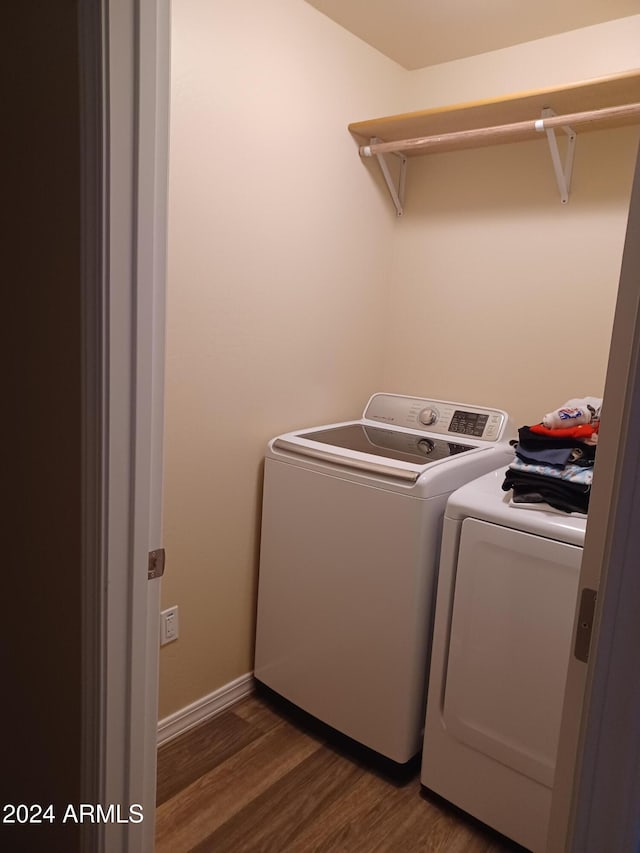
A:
[(279, 259), (294, 292), (501, 294), (566, 58)]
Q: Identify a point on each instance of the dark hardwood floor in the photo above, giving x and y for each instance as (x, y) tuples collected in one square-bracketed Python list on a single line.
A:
[(257, 779)]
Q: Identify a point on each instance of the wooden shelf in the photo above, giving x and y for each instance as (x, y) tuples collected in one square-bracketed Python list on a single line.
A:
[(615, 90)]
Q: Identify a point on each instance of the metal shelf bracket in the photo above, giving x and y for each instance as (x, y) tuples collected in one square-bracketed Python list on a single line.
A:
[(563, 173), (396, 192)]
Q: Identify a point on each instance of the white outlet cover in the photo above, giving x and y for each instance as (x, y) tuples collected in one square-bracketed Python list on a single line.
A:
[(169, 625)]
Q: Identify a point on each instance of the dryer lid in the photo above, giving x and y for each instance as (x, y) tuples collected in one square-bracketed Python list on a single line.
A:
[(484, 499)]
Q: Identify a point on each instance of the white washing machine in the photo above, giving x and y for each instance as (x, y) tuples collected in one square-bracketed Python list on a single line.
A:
[(507, 588), (352, 516)]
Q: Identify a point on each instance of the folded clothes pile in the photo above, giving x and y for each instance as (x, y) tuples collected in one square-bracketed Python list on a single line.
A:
[(553, 465)]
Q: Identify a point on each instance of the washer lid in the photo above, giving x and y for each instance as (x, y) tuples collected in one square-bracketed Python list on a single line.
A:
[(388, 443), (483, 498)]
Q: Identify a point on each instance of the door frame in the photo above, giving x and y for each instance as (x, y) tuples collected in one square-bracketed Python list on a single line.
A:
[(125, 66), (596, 800), (125, 182)]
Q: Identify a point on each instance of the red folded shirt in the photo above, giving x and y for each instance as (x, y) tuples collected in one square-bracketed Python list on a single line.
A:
[(580, 431)]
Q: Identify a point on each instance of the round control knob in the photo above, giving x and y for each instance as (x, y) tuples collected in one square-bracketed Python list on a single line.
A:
[(428, 416), (425, 446)]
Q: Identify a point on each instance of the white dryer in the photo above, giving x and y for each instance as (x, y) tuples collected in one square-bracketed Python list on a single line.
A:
[(506, 597), (351, 524)]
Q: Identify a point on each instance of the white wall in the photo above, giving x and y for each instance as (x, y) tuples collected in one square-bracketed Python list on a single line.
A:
[(566, 58), (501, 294), (279, 260), (294, 292)]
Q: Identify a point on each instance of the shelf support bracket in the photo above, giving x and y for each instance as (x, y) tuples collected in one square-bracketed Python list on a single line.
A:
[(563, 173), (396, 191)]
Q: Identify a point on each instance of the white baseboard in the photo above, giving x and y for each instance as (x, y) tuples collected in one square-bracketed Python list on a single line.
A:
[(204, 709)]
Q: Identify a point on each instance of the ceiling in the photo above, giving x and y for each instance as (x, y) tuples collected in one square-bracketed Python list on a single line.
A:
[(416, 33)]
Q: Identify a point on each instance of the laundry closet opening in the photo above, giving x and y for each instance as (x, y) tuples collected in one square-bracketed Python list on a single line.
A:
[(294, 292)]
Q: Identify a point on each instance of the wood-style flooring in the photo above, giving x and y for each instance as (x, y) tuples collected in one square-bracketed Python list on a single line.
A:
[(257, 780)]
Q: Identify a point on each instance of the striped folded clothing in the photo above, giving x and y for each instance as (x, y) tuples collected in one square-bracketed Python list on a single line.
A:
[(530, 488), (578, 474)]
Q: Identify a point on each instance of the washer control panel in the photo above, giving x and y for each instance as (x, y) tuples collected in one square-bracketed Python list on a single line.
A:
[(437, 416)]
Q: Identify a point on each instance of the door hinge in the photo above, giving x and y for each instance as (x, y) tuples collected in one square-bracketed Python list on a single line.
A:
[(156, 564), (585, 624)]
